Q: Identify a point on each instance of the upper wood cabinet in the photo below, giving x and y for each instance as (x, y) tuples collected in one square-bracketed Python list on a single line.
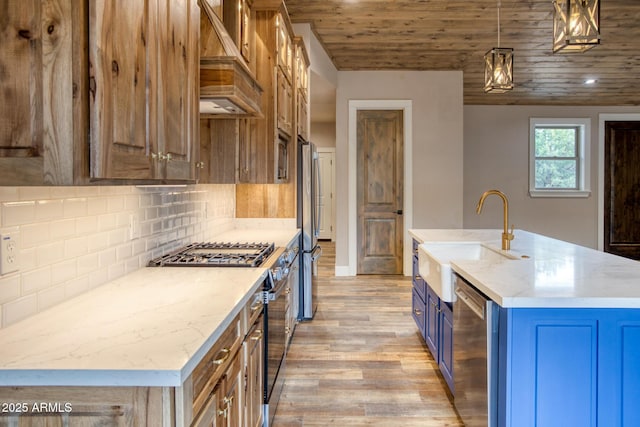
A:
[(43, 86), (302, 88), (144, 89), (272, 135)]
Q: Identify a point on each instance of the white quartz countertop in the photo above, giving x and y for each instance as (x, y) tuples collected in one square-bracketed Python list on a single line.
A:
[(148, 328), (555, 274)]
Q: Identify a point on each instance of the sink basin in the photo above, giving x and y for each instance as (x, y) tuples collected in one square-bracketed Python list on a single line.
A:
[(434, 262)]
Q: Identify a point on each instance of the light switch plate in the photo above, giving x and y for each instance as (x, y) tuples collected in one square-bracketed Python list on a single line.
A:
[(9, 251)]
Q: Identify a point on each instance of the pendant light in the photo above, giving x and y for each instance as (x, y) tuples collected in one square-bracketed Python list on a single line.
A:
[(498, 67), (576, 25)]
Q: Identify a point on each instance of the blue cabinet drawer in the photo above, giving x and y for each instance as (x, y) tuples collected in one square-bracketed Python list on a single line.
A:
[(418, 282), (418, 310)]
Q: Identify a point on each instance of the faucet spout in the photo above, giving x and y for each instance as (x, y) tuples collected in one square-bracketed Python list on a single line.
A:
[(507, 236)]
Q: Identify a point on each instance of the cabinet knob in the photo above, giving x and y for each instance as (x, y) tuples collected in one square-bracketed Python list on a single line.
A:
[(168, 157)]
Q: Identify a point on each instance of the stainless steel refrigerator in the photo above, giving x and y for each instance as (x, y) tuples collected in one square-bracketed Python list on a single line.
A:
[(309, 224)]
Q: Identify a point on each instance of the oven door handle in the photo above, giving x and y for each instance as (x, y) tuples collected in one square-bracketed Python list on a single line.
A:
[(277, 291), (316, 253)]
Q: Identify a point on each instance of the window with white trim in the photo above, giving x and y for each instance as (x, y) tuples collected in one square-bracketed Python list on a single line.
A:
[(559, 157)]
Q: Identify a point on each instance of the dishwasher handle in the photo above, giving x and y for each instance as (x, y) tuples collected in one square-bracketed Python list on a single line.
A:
[(464, 297)]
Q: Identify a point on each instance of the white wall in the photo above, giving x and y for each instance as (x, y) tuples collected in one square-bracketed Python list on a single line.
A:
[(73, 239), (436, 98), (496, 155), (323, 134)]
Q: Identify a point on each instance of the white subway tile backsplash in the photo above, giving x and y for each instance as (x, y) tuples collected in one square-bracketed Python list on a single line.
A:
[(49, 253), (107, 222), (76, 247), (63, 229), (51, 296), (96, 206), (63, 271), (76, 238), (28, 258), (116, 270), (35, 234), (19, 309), (9, 194), (124, 252), (75, 207), (36, 280), (18, 213), (87, 263), (9, 288), (98, 277), (86, 225), (107, 257), (34, 193), (98, 241), (76, 286), (48, 210)]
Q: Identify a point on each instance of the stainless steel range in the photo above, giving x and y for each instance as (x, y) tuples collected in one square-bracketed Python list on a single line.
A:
[(282, 264), (216, 255)]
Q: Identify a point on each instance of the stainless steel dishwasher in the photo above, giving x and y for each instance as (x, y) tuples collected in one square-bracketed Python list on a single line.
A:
[(475, 356)]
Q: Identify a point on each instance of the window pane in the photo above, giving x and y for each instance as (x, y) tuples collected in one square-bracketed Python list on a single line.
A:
[(558, 142), (556, 174)]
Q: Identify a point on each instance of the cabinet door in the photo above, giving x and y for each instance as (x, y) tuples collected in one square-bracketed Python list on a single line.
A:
[(144, 82), (418, 312), (254, 377), (284, 99), (303, 117), (83, 406), (233, 396), (432, 322), (212, 414), (121, 140), (37, 81), (219, 143), (177, 99), (446, 343)]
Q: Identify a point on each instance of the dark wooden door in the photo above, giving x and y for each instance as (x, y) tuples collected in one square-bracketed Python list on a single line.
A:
[(380, 186), (622, 189)]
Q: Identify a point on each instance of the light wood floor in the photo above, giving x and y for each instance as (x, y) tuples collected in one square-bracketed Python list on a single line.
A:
[(361, 361)]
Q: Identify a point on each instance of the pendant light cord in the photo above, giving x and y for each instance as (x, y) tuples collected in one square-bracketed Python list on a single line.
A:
[(498, 23)]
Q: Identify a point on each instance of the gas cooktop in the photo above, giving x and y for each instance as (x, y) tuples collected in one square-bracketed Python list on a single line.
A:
[(216, 255)]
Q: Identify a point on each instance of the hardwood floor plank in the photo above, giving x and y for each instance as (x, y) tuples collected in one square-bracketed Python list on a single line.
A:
[(361, 361)]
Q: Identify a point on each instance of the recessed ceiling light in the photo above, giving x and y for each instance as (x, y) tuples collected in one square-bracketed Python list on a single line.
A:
[(590, 81)]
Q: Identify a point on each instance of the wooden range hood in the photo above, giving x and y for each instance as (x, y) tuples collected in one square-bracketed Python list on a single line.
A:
[(227, 85)]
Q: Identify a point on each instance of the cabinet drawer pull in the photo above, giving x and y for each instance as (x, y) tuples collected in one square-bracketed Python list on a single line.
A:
[(417, 312), (257, 335), (417, 277), (221, 357)]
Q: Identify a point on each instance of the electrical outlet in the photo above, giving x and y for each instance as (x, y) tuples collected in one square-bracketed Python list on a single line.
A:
[(9, 251), (134, 227)]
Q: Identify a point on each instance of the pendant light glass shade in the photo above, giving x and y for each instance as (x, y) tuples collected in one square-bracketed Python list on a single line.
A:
[(498, 67), (498, 70), (576, 25)]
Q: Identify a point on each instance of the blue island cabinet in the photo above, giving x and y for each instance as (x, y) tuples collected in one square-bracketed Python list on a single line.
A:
[(569, 367), (435, 321)]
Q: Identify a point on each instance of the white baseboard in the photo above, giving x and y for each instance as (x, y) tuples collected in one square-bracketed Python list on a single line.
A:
[(342, 270)]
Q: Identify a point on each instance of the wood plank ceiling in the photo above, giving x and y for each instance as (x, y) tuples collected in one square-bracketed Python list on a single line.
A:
[(455, 35)]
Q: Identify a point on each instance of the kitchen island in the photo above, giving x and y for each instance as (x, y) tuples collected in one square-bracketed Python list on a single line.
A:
[(569, 329), (125, 350)]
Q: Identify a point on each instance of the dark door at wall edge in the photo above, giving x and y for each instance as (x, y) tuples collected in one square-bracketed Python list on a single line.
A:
[(622, 188), (380, 173)]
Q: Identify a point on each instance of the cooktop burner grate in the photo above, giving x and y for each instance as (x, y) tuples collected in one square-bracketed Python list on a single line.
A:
[(216, 254)]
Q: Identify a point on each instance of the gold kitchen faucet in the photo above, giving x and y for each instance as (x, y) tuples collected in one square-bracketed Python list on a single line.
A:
[(507, 236)]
